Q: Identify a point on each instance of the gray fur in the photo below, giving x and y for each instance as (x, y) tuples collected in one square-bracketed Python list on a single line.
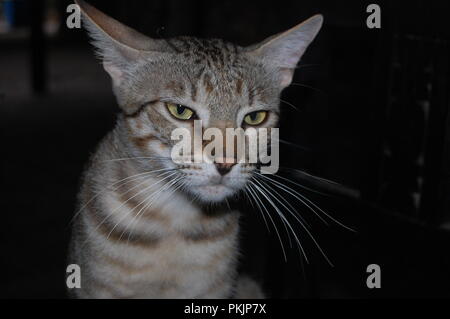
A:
[(172, 248)]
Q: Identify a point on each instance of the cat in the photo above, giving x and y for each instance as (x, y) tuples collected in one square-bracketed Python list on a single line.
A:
[(147, 227)]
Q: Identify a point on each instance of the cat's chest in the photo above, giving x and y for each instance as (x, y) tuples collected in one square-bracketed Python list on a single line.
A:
[(180, 269), (178, 256)]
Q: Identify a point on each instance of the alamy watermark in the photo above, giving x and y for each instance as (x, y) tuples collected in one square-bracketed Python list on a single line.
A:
[(251, 146), (374, 19), (73, 279), (73, 20), (374, 279)]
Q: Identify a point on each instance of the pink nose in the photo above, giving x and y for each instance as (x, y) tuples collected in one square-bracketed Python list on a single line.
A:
[(224, 168)]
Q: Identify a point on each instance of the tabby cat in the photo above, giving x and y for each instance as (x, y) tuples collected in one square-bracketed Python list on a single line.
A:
[(145, 227)]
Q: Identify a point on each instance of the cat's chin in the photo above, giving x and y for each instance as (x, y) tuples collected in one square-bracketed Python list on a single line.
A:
[(212, 193)]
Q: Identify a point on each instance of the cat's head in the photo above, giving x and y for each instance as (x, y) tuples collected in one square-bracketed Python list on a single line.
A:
[(165, 84)]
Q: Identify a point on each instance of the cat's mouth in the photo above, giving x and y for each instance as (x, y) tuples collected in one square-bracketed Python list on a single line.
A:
[(214, 192), (215, 188)]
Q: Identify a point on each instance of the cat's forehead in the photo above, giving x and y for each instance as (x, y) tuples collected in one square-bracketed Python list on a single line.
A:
[(212, 71), (205, 73), (215, 51)]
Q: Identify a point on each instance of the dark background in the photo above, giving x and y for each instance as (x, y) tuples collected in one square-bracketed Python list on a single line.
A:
[(373, 116)]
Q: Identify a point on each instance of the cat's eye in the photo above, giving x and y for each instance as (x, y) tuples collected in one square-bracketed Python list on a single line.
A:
[(255, 118), (180, 112)]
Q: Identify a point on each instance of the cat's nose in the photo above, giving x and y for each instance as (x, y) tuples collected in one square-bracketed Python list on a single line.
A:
[(224, 168)]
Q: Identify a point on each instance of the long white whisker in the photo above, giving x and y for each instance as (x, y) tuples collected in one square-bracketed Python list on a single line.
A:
[(247, 193), (306, 199), (280, 214), (284, 224), (254, 194), (300, 185), (297, 195), (308, 87), (303, 226), (290, 208), (114, 210), (150, 200), (303, 148), (138, 193), (119, 184), (290, 104)]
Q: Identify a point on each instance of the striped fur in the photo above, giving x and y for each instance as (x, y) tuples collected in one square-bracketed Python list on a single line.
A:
[(144, 226)]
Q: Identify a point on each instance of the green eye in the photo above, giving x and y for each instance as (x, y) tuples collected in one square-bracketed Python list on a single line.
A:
[(255, 118), (179, 111)]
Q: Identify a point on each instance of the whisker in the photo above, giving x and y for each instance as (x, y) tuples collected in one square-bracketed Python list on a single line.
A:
[(138, 193), (109, 215), (284, 224), (295, 194), (246, 192), (312, 176), (308, 87), (301, 185), (255, 196), (134, 218), (280, 214), (149, 199), (331, 186), (129, 179), (304, 227), (228, 204), (139, 215), (290, 208), (290, 104), (309, 201), (303, 148)]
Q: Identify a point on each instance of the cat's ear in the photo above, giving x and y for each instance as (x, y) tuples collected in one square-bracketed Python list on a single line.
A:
[(117, 45), (283, 51)]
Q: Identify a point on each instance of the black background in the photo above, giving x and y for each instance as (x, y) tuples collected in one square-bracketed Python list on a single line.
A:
[(373, 117)]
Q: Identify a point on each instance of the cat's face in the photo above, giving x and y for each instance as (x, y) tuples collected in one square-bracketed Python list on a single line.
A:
[(163, 85), (211, 81)]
